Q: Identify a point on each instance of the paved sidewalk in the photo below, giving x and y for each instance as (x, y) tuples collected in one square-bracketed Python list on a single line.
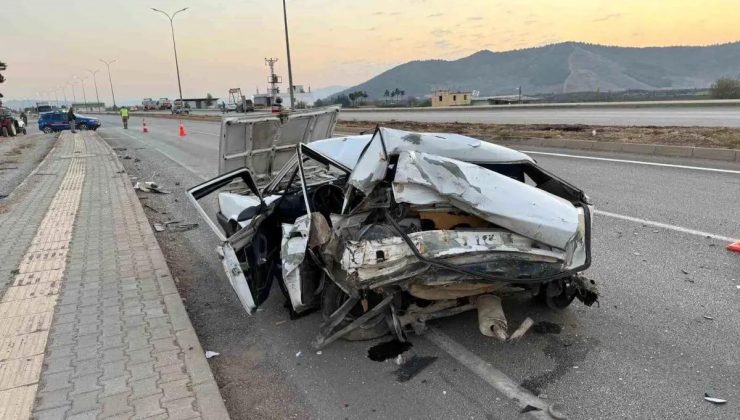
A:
[(91, 324)]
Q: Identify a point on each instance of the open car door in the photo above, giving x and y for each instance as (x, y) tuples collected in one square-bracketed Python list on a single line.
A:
[(240, 179), (252, 151)]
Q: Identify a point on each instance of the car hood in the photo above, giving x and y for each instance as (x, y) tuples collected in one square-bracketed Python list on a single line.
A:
[(85, 117)]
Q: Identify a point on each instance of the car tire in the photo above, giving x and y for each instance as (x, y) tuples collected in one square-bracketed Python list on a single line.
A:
[(48, 130), (24, 131), (5, 131)]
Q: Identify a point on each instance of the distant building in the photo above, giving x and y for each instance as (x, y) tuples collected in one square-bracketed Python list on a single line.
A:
[(451, 97)]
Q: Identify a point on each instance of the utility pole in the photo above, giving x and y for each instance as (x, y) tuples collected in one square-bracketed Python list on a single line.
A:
[(287, 47), (95, 81), (107, 64), (174, 47), (520, 94), (64, 92)]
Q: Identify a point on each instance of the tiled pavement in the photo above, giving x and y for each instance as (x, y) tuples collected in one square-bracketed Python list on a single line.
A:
[(91, 325)]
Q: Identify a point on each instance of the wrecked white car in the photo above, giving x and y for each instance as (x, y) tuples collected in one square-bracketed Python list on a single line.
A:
[(385, 231)]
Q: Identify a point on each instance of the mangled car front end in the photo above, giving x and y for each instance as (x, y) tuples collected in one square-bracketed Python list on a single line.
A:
[(384, 232)]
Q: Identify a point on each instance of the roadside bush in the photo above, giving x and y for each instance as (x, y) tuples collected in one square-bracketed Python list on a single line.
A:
[(725, 88)]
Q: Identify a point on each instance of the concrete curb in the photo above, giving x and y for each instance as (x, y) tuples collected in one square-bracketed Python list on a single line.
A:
[(207, 395), (730, 155)]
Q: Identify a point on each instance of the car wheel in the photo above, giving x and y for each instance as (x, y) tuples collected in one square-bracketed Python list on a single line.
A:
[(48, 130), (5, 131), (24, 131), (82, 127)]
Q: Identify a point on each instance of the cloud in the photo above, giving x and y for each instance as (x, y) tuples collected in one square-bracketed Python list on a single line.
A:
[(378, 13), (435, 15), (608, 17), (442, 44), (475, 18), (440, 32)]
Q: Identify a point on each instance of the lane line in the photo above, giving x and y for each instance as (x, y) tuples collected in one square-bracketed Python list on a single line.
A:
[(494, 377), (665, 226), (637, 162), (188, 167), (203, 132)]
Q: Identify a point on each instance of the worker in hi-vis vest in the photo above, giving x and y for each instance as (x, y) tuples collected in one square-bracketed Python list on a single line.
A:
[(124, 117)]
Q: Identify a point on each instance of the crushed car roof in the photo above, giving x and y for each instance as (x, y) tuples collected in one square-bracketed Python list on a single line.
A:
[(347, 150)]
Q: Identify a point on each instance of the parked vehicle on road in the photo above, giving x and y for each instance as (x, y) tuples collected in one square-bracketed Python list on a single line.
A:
[(178, 109), (10, 123), (149, 104), (43, 107), (50, 122), (238, 102), (164, 103), (385, 231)]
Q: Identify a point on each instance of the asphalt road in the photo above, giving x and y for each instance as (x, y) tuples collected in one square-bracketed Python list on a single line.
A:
[(648, 351), (717, 116)]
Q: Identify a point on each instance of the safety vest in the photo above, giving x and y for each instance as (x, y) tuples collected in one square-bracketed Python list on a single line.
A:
[(124, 112)]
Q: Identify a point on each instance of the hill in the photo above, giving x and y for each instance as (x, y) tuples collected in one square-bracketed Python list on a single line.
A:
[(562, 68)]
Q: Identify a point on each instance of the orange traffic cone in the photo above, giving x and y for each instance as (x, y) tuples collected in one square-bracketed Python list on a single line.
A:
[(734, 246), (144, 129), (182, 130)]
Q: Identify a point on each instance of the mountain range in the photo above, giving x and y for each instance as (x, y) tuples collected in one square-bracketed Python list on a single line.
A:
[(562, 68)]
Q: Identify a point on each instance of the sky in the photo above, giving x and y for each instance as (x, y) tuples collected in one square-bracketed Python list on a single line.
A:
[(222, 43)]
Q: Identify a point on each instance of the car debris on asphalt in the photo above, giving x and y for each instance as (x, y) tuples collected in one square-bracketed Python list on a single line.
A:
[(210, 354), (174, 226), (383, 232), (714, 400), (150, 187)]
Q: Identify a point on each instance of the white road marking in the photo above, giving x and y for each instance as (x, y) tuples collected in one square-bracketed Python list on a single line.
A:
[(188, 167), (494, 377), (637, 162), (207, 134), (666, 226)]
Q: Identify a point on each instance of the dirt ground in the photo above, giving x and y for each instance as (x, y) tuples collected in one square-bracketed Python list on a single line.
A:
[(728, 138)]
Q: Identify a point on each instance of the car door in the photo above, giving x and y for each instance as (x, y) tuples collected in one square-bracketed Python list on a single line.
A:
[(58, 121), (248, 296)]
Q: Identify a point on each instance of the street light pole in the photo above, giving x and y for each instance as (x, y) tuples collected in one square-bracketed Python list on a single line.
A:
[(64, 92), (72, 86), (287, 47), (84, 95), (95, 81), (107, 64), (174, 47)]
